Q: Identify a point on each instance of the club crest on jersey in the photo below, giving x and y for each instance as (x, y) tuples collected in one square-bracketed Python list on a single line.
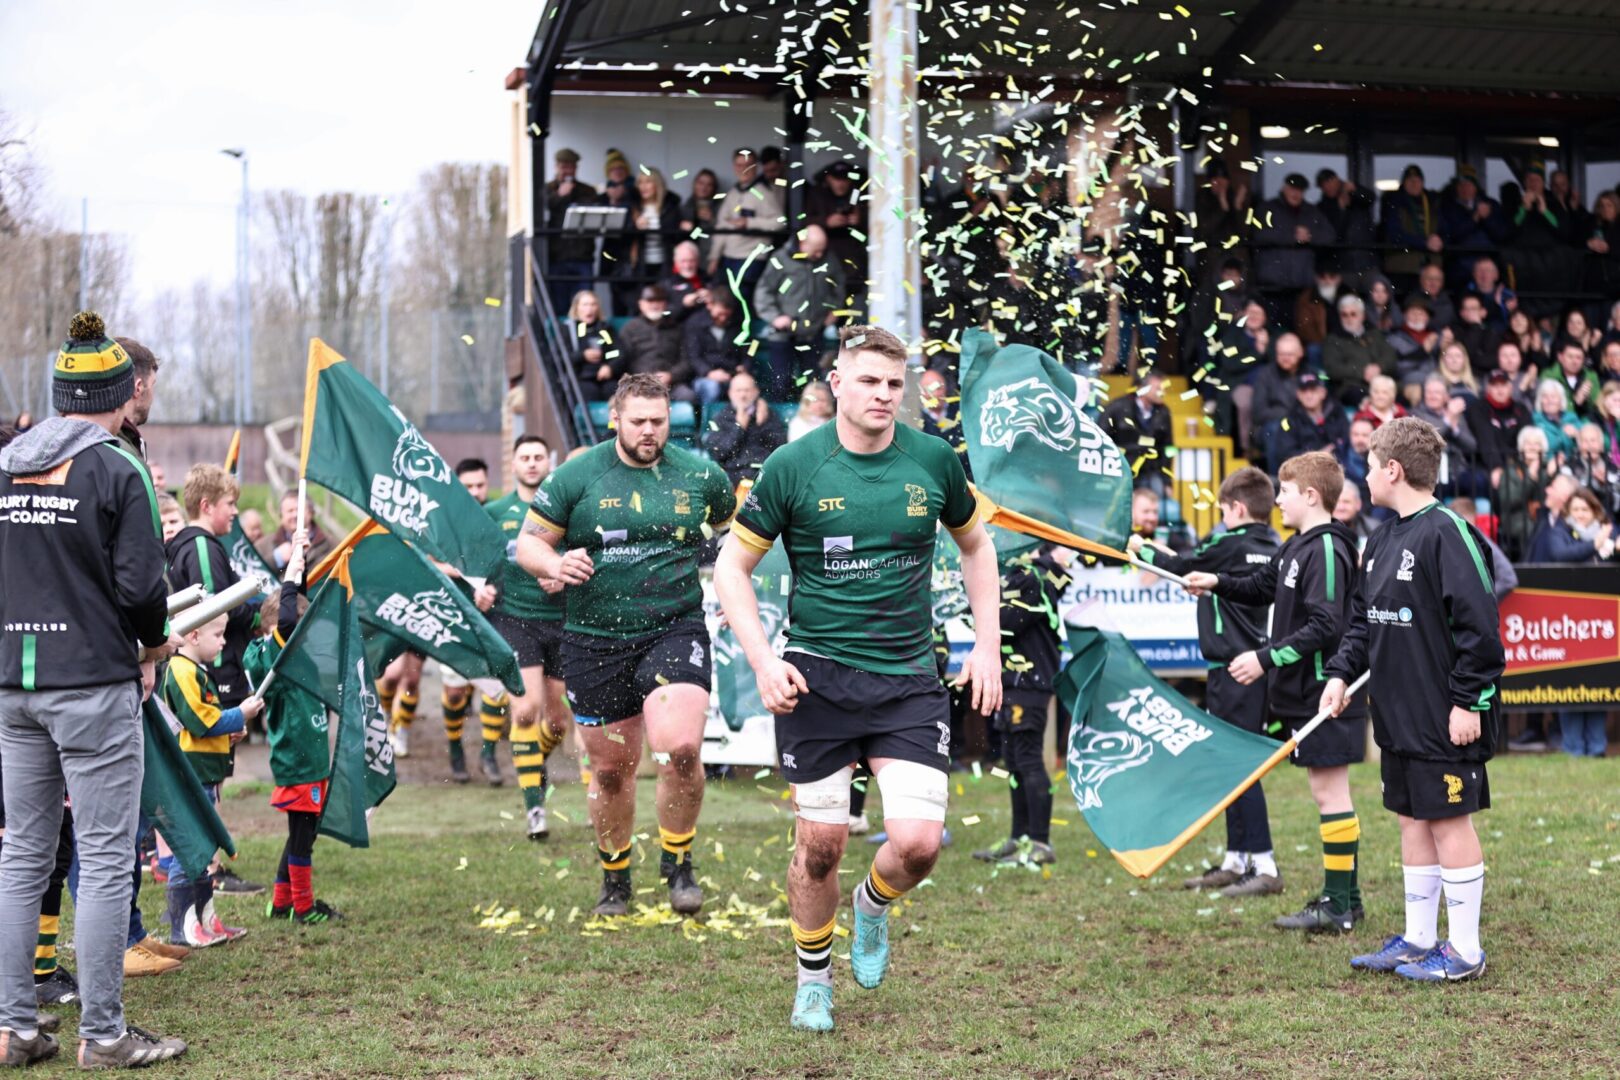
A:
[(1030, 407), (430, 615), (1293, 574), (683, 502), (1404, 572), (916, 500), (1094, 756)]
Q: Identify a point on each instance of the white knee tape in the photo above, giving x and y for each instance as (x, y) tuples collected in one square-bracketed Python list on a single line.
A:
[(911, 790), (825, 800)]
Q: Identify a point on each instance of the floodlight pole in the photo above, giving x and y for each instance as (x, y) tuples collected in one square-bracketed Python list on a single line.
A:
[(896, 292)]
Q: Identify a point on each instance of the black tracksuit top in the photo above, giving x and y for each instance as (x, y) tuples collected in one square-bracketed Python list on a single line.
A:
[(1226, 630), (196, 557)]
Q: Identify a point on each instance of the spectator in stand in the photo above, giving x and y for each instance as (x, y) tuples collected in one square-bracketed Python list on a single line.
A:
[(698, 212), (1411, 219), (1554, 416), (752, 204), (1592, 470), (1312, 424), (1609, 421), (618, 249), (1380, 406), (1556, 540), (1139, 424), (741, 437), (652, 344), (1222, 210), (1275, 392), (834, 204), (657, 220), (815, 408), (687, 287), (1453, 369), (1234, 359), (709, 346), (939, 418), (1443, 410), (1533, 344), (1504, 579), (1496, 417), (1469, 220), (1147, 519), (1353, 456), (570, 258), (1579, 382), (1609, 366), (1432, 287), (1474, 333), (1589, 538), (1577, 329), (1565, 201), (1522, 487), (1603, 243), (1383, 313), (1416, 344), (1611, 331), (1500, 301), (1510, 361), (1215, 307), (797, 301), (1316, 308), (1543, 258), (1349, 513), (1348, 211), (320, 545), (598, 360), (1354, 355), (1289, 226)]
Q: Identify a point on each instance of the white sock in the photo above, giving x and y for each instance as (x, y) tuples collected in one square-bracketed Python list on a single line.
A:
[(1465, 887), (26, 1034), (1264, 864), (1422, 905), (1235, 861)]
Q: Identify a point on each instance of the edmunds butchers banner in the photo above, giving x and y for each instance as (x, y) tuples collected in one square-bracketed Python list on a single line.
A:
[(1561, 634)]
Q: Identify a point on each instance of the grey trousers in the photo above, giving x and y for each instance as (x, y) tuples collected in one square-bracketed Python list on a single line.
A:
[(88, 741)]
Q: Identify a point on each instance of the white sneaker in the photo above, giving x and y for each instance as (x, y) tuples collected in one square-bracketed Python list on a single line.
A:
[(196, 933), (537, 824), (401, 738), (859, 825)]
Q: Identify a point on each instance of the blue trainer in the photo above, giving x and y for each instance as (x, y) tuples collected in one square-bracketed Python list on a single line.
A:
[(812, 1008), (1443, 964), (1396, 951), (869, 953)]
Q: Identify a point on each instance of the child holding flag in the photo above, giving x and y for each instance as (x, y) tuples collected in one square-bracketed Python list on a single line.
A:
[(299, 762), (207, 734), (1311, 584), (1428, 627)]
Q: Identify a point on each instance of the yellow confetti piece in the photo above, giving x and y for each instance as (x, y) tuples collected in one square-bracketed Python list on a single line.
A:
[(462, 865), (492, 301), (971, 819), (466, 339), (614, 736)]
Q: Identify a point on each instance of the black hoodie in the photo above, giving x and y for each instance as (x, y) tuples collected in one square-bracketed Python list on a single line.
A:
[(1312, 584), (81, 560), (1227, 631), (196, 557)]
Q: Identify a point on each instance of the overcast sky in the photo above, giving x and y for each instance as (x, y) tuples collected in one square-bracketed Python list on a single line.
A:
[(130, 104)]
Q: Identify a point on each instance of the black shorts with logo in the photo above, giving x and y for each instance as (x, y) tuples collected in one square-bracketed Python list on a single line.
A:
[(537, 643), (609, 678), (1433, 790), (1339, 740), (849, 715)]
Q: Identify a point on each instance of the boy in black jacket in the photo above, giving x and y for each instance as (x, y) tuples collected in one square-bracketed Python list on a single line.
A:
[(1225, 632), (1030, 587), (1428, 627), (1311, 584)]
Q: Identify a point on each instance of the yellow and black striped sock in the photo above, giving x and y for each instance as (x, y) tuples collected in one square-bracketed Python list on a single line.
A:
[(814, 950), (874, 895), (549, 740), (45, 947), (492, 714), (455, 714), (404, 713), (614, 861), (385, 700), (530, 764), (677, 846), (1341, 839)]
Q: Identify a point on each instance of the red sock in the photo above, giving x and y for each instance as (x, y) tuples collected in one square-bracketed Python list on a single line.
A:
[(281, 895), (303, 889)]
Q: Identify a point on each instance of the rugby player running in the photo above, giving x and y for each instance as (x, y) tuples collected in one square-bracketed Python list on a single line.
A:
[(856, 503), (622, 526)]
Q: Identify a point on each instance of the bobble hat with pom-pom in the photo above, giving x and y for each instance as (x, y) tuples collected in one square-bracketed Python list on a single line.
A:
[(93, 372)]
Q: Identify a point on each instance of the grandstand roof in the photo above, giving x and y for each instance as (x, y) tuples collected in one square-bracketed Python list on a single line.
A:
[(1547, 47)]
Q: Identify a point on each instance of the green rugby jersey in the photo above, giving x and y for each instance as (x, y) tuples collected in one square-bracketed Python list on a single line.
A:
[(521, 595), (643, 529), (295, 718), (859, 532)]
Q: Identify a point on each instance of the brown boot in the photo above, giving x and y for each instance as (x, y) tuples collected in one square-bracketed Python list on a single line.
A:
[(139, 961), (1215, 877), (163, 948)]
